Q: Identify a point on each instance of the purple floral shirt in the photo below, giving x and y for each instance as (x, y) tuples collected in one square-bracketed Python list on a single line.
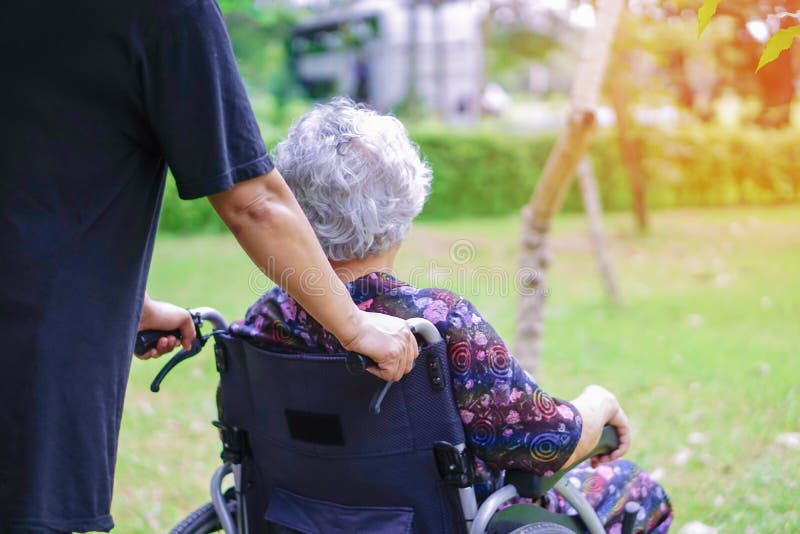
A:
[(509, 422)]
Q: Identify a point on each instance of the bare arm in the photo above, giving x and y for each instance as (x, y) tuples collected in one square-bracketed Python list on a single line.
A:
[(598, 407), (271, 228)]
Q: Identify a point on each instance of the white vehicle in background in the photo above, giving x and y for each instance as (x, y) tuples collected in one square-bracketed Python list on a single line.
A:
[(376, 51)]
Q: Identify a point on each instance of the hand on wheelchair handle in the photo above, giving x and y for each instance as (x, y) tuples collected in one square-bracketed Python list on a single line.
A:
[(153, 343), (619, 422), (388, 342), (163, 327), (156, 343)]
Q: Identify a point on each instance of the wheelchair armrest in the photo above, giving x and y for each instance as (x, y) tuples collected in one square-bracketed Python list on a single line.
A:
[(534, 486)]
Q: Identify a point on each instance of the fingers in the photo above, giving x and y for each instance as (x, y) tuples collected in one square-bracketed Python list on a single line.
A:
[(188, 332), (411, 350), (147, 355), (624, 445), (383, 374), (399, 365), (163, 345), (388, 370), (620, 422), (398, 362), (389, 342)]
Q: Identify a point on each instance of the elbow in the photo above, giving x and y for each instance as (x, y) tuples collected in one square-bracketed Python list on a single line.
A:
[(263, 203), (262, 212)]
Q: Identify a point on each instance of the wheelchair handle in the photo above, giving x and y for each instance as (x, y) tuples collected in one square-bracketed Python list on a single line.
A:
[(357, 363), (609, 442), (421, 328), (198, 315), (424, 329), (147, 339)]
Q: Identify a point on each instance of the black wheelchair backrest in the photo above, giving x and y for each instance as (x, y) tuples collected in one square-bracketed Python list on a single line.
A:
[(315, 458)]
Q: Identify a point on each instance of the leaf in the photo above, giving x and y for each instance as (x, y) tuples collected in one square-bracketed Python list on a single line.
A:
[(705, 13), (778, 43)]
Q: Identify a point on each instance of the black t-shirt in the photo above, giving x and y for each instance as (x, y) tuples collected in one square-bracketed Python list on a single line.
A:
[(96, 98)]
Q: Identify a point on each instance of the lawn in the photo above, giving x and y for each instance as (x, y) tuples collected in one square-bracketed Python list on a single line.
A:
[(704, 354)]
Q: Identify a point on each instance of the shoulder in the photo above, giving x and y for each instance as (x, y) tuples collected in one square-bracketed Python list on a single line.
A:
[(435, 294), (169, 9), (160, 16), (434, 304), (275, 296)]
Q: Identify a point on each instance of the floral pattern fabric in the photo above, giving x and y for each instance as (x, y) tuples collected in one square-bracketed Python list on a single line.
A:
[(609, 487), (509, 421)]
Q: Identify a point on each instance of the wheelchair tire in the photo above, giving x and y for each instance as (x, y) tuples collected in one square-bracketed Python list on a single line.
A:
[(204, 520), (542, 528)]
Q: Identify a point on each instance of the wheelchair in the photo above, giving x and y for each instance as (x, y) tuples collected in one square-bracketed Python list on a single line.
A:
[(315, 444)]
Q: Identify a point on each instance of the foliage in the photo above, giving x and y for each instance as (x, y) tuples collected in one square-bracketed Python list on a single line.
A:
[(663, 64), (193, 216), (483, 173), (779, 42), (260, 41), (704, 14), (512, 42), (509, 53), (720, 166)]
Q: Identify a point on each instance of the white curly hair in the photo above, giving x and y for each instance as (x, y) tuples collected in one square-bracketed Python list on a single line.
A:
[(357, 176)]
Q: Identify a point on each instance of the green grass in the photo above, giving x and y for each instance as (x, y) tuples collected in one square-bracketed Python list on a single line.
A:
[(707, 345)]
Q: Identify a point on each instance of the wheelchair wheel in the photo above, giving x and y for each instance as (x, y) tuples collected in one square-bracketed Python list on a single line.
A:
[(204, 520), (542, 528)]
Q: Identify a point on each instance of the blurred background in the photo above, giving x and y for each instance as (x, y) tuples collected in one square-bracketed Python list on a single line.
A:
[(492, 78), (696, 165)]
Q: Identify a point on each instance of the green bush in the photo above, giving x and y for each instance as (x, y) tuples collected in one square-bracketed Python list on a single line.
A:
[(481, 173), (704, 166), (486, 173), (186, 216)]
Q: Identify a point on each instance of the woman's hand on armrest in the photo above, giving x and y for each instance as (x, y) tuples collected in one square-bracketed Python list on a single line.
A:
[(619, 421), (599, 407)]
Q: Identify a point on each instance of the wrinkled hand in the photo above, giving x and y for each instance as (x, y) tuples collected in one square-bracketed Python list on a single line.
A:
[(158, 315), (619, 421), (387, 341)]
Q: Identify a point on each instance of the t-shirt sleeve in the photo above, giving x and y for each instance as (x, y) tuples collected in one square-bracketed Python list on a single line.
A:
[(509, 421), (197, 105)]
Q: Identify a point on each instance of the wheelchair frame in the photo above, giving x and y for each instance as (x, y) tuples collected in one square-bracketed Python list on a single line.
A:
[(476, 518)]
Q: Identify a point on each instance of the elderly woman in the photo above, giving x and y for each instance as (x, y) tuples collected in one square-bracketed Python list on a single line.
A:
[(361, 182)]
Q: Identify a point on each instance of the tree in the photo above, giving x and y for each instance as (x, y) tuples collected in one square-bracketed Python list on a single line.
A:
[(775, 65), (594, 212), (744, 10), (623, 87), (557, 176)]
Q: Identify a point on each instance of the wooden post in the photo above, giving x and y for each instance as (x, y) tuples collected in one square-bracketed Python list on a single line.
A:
[(594, 212), (556, 178), (631, 154)]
